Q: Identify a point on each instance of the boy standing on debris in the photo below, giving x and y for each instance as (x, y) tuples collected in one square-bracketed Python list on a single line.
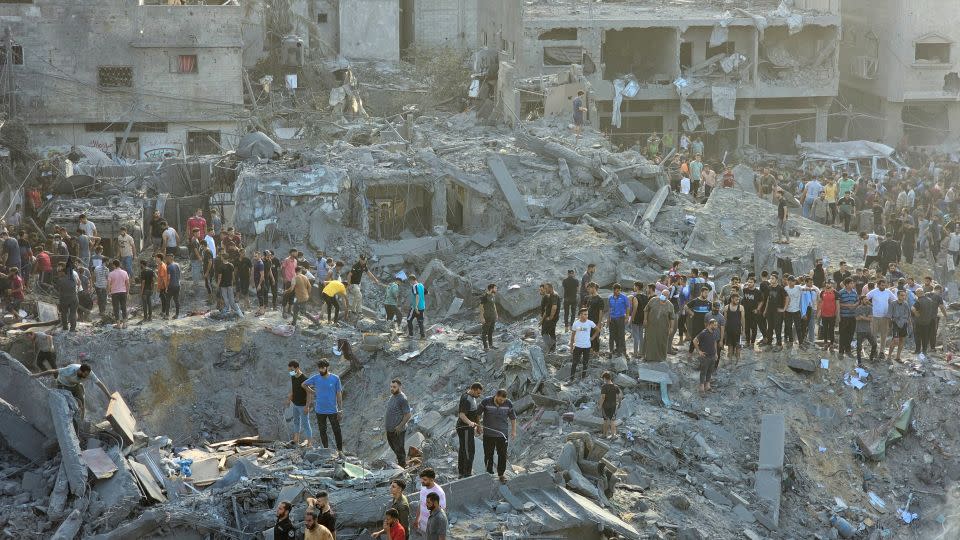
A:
[(496, 412), (706, 346), (328, 395), (610, 397)]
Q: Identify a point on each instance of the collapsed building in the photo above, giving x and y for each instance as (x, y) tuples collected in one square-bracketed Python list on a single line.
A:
[(737, 75)]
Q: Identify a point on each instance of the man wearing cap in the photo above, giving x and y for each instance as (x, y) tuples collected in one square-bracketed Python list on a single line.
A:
[(71, 377)]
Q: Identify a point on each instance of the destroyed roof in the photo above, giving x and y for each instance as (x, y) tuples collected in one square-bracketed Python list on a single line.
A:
[(314, 179), (658, 12), (845, 150)]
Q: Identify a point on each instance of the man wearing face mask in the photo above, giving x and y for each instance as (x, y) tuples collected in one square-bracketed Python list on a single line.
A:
[(298, 398), (658, 321)]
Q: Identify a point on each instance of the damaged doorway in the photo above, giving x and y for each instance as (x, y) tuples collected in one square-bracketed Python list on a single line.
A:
[(456, 198), (394, 212)]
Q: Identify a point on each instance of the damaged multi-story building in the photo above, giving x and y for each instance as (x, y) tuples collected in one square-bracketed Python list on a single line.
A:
[(899, 80), (761, 72), (132, 79)]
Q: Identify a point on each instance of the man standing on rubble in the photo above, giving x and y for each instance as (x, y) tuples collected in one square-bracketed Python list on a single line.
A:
[(496, 412), (67, 299), (395, 422), (118, 283), (71, 377), (618, 307), (428, 487), (437, 522), (583, 333), (300, 290), (163, 284), (196, 258), (706, 345), (288, 271), (284, 528), (579, 110), (467, 417), (570, 287), (488, 316), (298, 399), (391, 303), (127, 248), (147, 278), (549, 316), (196, 222), (225, 283), (658, 321), (585, 282), (328, 405), (354, 291)]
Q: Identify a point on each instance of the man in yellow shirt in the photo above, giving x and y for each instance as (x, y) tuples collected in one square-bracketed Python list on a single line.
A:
[(329, 295), (831, 194), (300, 287), (312, 530)]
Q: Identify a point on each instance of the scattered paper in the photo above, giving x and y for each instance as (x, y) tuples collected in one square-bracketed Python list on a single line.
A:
[(823, 449), (512, 287), (401, 275), (862, 373), (906, 516), (824, 363), (876, 501), (853, 380)]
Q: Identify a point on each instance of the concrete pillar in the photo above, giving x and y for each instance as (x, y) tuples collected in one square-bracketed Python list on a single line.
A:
[(743, 130), (439, 207), (823, 118), (893, 123)]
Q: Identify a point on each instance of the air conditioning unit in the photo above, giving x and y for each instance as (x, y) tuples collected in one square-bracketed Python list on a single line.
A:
[(864, 67)]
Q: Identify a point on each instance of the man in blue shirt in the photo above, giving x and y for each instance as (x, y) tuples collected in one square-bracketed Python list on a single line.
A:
[(418, 304), (328, 399), (619, 304), (849, 300), (173, 288)]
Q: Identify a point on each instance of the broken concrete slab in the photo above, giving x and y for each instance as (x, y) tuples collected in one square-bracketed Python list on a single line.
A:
[(26, 394), (651, 212), (120, 418), (770, 466), (98, 462), (420, 246), (19, 434), (509, 188), (804, 365), (58, 495), (744, 514), (149, 485), (62, 407), (141, 527), (70, 527), (713, 494), (33, 483), (874, 443), (118, 495), (290, 494)]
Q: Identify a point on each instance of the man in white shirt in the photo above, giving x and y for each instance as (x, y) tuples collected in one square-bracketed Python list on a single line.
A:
[(791, 316), (871, 244), (428, 481), (685, 185), (583, 331), (880, 299), (88, 227), (211, 243), (170, 239), (71, 377)]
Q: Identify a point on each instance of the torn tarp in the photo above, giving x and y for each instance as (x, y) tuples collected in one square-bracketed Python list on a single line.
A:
[(618, 87), (720, 34), (711, 124), (724, 100), (794, 20), (692, 119), (687, 87), (732, 62)]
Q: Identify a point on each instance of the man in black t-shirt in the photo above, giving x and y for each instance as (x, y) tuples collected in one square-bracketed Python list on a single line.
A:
[(468, 412), (783, 236), (147, 278), (595, 307), (841, 274), (244, 268), (773, 307), (225, 282), (705, 345), (298, 399), (571, 291), (750, 299), (549, 316)]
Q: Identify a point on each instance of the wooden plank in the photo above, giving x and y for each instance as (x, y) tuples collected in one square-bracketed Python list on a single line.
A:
[(147, 482), (98, 462), (770, 465), (508, 187), (120, 417)]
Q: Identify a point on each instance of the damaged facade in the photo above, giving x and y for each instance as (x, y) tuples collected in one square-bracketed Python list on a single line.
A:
[(902, 90), (138, 81), (738, 75)]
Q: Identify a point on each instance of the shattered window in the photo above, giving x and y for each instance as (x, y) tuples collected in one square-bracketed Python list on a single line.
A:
[(16, 55), (559, 34), (115, 76), (936, 53), (564, 56)]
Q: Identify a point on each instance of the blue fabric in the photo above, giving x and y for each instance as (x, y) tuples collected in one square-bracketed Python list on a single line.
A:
[(618, 306), (848, 297), (417, 298), (173, 270), (325, 390), (806, 300)]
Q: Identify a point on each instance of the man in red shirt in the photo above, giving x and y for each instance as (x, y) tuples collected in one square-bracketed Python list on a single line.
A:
[(829, 305), (392, 526), (196, 221), (44, 265)]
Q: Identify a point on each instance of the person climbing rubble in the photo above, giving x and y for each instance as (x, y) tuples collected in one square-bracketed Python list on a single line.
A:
[(354, 290), (71, 378), (44, 352), (418, 304)]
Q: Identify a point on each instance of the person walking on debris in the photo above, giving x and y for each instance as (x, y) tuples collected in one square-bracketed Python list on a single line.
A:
[(610, 397), (225, 283), (783, 235), (327, 392), (418, 304), (147, 279), (118, 283), (570, 286), (488, 316), (170, 239), (392, 526), (44, 352), (496, 412), (549, 316), (428, 486), (391, 304), (323, 512), (354, 291), (583, 333), (329, 294), (284, 527), (467, 417), (71, 377), (395, 422), (67, 299), (900, 319), (298, 399), (312, 530), (401, 506), (705, 344), (638, 304), (300, 290), (618, 306), (659, 319), (579, 110), (437, 522)]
